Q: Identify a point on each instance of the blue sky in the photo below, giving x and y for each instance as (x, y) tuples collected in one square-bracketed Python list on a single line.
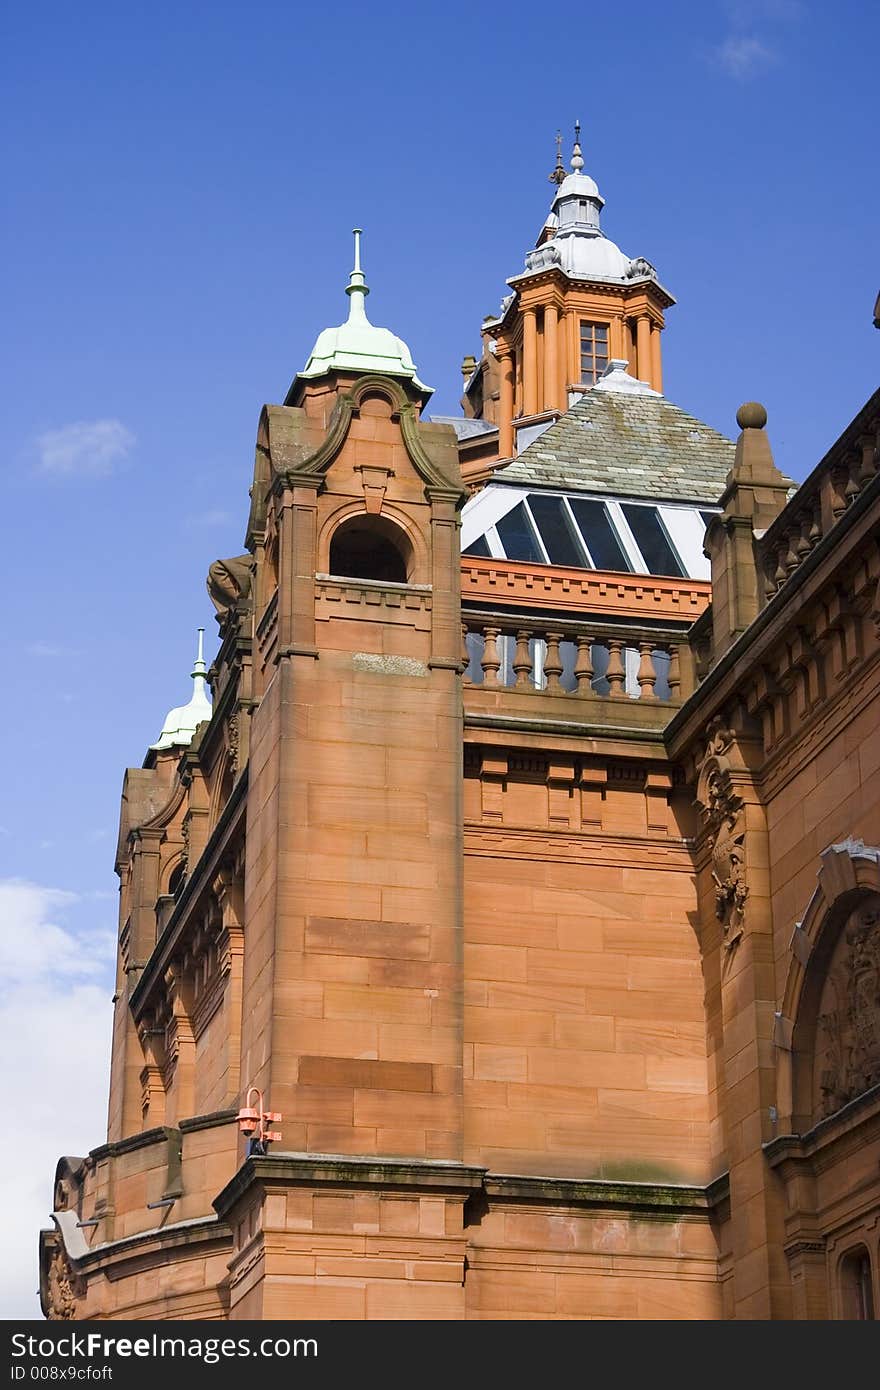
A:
[(180, 183)]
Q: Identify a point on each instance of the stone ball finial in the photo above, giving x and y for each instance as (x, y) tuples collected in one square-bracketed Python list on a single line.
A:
[(751, 416)]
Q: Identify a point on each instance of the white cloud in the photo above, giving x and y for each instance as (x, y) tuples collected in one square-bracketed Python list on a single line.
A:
[(746, 51), (55, 1019), (88, 448), (743, 56)]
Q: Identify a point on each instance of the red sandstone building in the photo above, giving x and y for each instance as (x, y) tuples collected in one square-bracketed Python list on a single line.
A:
[(528, 859)]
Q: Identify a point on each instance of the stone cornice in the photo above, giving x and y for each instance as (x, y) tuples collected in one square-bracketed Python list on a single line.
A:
[(335, 1170), (678, 602), (578, 729), (658, 1199), (157, 1241), (844, 1132)]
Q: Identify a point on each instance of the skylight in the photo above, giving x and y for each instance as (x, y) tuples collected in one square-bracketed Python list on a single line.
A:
[(582, 532)]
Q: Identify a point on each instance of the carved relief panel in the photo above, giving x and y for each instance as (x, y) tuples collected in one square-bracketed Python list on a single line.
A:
[(724, 818), (847, 1048)]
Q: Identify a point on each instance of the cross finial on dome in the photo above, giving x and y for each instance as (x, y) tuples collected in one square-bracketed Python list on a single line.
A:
[(558, 175), (577, 157)]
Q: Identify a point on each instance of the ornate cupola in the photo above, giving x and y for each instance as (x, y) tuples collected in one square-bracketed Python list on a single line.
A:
[(182, 721), (578, 204), (579, 303), (357, 346)]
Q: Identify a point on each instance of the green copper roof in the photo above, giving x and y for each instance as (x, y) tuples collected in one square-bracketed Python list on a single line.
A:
[(358, 345)]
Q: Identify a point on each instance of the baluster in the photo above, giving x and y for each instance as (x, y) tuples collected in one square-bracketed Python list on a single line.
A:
[(852, 489), (838, 497), (780, 573), (491, 661), (647, 674), (674, 677), (815, 528), (792, 559), (583, 666), (803, 545), (522, 661), (616, 673), (553, 664), (868, 464), (465, 654)]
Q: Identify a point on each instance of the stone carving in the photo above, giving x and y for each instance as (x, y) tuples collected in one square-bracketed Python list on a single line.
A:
[(184, 835), (848, 1062), (229, 583), (724, 816), (62, 1287), (232, 738), (542, 257), (640, 269)]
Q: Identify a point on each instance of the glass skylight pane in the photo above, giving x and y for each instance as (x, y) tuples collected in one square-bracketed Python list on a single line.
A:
[(555, 528), (517, 538), (651, 540), (601, 538), (479, 547)]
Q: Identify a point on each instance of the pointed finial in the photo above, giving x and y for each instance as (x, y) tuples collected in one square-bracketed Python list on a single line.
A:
[(356, 288), (577, 158), (558, 175), (200, 669)]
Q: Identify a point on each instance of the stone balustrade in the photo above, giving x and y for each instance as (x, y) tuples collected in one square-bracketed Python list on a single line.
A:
[(592, 661), (827, 494)]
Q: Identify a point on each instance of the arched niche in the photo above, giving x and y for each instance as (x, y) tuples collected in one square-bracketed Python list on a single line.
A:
[(833, 990), (365, 546), (855, 1282)]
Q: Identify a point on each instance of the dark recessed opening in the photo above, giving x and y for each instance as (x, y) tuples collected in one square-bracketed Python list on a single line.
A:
[(364, 549)]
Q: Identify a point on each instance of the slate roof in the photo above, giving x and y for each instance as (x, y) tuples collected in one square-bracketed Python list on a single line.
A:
[(464, 428), (627, 445)]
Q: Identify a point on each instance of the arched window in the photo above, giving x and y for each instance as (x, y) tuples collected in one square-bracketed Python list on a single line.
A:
[(856, 1286), (369, 547), (177, 879)]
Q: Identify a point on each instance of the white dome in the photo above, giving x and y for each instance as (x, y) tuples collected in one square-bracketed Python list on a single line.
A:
[(591, 257), (578, 186)]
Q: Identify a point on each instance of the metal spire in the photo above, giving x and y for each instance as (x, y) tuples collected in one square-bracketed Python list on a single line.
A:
[(558, 175), (357, 284), (577, 157), (200, 669)]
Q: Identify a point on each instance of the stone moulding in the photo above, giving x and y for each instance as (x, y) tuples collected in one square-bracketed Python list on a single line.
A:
[(433, 1175), (657, 1198), (846, 1131), (308, 469), (541, 586), (342, 1170)]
